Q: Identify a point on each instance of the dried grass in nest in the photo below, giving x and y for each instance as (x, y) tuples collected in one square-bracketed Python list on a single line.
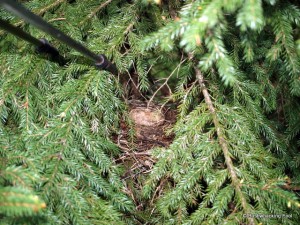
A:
[(150, 125)]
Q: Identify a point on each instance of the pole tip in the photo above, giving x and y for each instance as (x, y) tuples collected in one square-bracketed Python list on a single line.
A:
[(104, 64)]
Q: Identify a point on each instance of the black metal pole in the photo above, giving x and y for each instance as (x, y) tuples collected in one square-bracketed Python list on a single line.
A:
[(20, 33), (17, 9), (42, 45)]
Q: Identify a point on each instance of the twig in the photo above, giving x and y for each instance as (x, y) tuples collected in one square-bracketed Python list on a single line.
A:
[(133, 175), (169, 98), (128, 28), (158, 189), (93, 13), (56, 19), (134, 84), (166, 81), (49, 7)]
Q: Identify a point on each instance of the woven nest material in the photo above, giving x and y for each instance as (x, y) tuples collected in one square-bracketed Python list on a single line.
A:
[(146, 117)]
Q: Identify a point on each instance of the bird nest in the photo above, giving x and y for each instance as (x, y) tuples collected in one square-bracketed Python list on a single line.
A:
[(148, 131)]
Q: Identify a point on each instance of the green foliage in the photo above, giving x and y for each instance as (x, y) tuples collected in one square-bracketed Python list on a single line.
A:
[(247, 53), (56, 124), (237, 132), (18, 202)]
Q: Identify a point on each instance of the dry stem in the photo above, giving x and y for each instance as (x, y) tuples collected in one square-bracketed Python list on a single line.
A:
[(165, 83)]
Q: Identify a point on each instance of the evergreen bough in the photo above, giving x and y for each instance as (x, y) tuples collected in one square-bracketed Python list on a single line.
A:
[(234, 149), (234, 69)]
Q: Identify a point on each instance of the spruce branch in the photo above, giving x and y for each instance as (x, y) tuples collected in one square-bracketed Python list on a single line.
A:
[(223, 144), (15, 201), (57, 122)]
